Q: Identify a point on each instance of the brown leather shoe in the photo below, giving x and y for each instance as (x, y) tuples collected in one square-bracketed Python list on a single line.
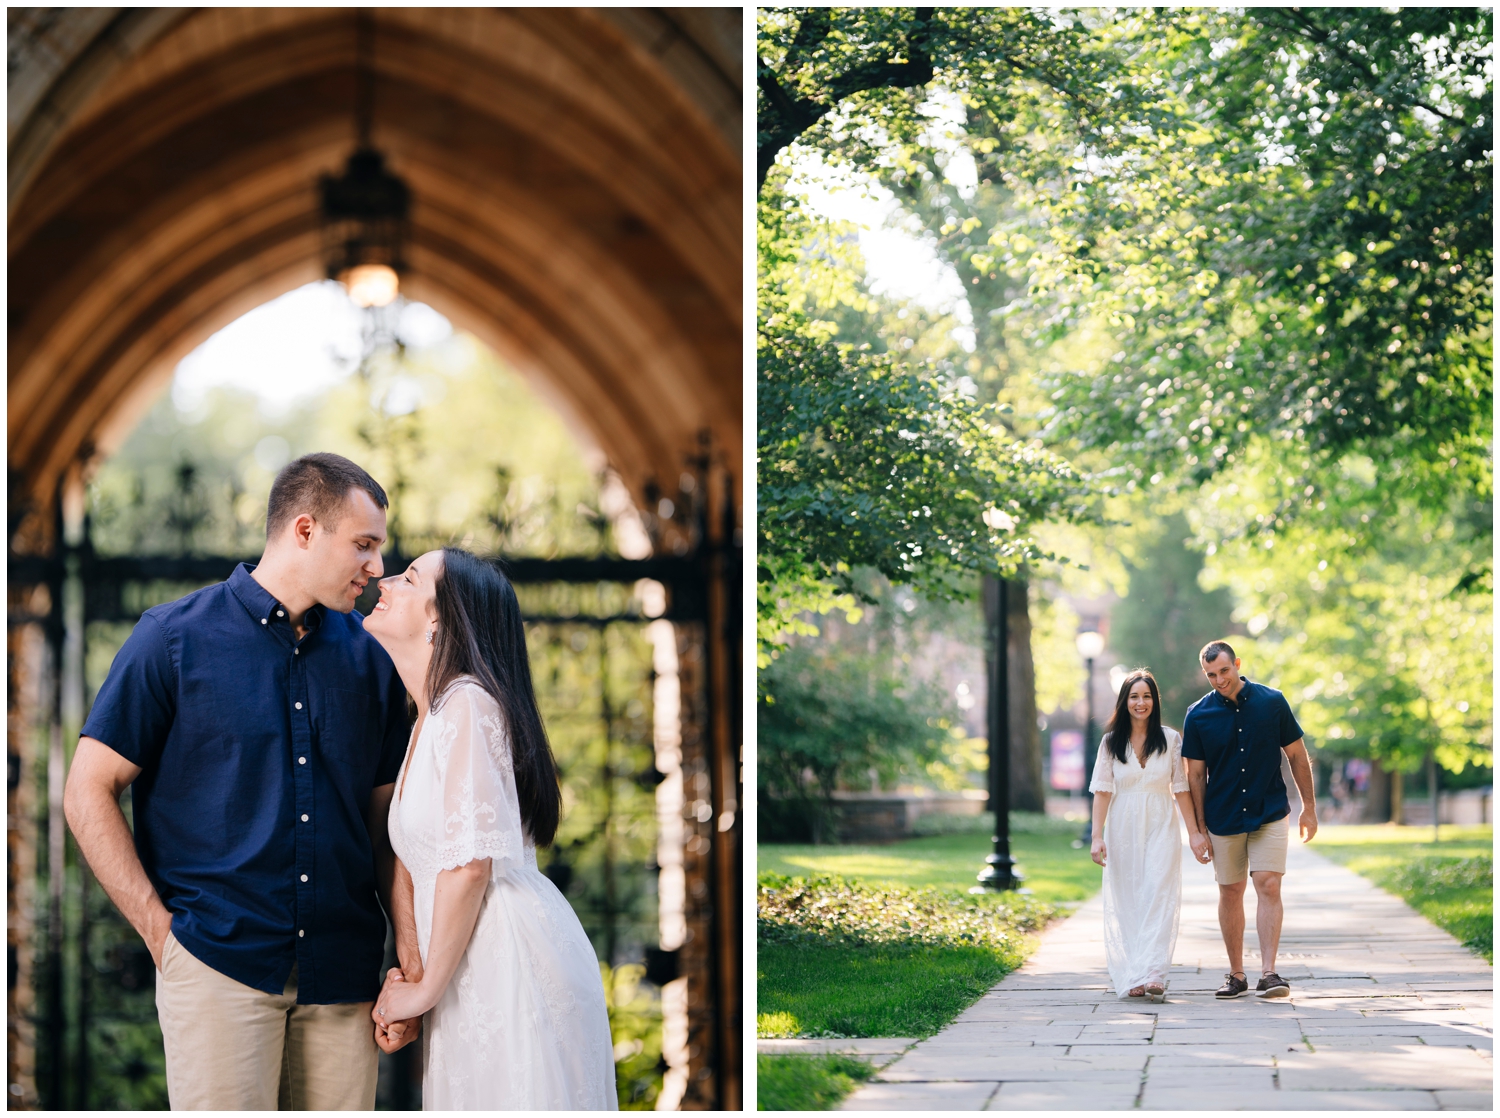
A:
[(1233, 987), (1272, 985)]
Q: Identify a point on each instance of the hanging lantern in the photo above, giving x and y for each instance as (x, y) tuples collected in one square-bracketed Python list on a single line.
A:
[(364, 228)]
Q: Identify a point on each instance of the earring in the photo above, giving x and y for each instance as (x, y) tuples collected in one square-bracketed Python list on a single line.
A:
[(429, 636)]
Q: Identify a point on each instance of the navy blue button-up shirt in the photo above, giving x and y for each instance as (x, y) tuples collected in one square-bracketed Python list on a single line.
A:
[(1241, 743), (259, 754)]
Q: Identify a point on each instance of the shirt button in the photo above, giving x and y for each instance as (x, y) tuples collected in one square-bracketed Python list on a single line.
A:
[(262, 620), (296, 652), (280, 614), (300, 933), (304, 819), (304, 877), (301, 760), (299, 706)]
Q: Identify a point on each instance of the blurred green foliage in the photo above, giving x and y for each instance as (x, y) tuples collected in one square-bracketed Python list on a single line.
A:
[(635, 1024), (1234, 266), (827, 722), (1166, 617)]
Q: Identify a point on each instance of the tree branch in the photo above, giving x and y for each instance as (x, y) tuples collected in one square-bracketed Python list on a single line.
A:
[(795, 116), (1322, 38)]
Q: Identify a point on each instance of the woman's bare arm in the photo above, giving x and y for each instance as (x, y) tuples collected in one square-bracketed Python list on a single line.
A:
[(1101, 812), (455, 910)]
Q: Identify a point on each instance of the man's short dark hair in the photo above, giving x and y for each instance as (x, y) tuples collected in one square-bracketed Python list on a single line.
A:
[(1214, 649), (317, 484)]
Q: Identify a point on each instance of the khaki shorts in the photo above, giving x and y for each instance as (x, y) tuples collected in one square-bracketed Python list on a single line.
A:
[(232, 1047), (1235, 856)]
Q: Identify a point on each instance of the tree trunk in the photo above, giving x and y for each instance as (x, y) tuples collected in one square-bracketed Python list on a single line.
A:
[(1378, 795), (1026, 791), (1398, 796)]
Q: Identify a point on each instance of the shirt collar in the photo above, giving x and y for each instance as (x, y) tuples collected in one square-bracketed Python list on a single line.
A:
[(1245, 686), (261, 604)]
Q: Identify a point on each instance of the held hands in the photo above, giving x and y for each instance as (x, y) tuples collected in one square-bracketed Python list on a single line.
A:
[(1202, 849), (1307, 824), (1097, 851), (400, 1024)]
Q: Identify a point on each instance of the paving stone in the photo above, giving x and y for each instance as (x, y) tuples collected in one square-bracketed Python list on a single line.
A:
[(1458, 1040), (1372, 982), (1183, 1098), (1226, 1036), (1466, 1100), (1010, 1066), (979, 1032), (1407, 1066), (1119, 1095), (854, 1046), (1212, 1056), (920, 1096)]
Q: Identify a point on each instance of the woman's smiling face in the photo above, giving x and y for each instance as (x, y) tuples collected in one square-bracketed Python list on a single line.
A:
[(1140, 699), (407, 604)]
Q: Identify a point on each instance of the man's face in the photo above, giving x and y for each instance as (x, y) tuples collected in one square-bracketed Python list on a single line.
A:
[(1224, 674), (341, 559)]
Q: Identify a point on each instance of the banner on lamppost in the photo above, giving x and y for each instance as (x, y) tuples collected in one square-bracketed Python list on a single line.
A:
[(1067, 760)]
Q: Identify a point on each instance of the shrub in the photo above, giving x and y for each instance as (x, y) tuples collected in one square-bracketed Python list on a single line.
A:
[(834, 909)]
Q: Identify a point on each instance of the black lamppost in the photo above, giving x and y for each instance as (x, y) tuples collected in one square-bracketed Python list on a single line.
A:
[(1090, 645), (1000, 872)]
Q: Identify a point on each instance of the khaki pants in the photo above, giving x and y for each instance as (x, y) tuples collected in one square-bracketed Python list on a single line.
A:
[(232, 1047)]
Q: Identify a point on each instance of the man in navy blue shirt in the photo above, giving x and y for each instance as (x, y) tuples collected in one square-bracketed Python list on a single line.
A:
[(1233, 740), (261, 731)]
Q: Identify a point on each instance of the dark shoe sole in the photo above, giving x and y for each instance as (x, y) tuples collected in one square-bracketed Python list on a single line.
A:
[(1275, 992), (1231, 997)]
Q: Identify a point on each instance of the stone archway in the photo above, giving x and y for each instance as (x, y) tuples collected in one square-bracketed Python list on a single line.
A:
[(577, 196)]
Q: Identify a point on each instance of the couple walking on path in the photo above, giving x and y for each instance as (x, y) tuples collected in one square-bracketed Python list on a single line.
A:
[(1224, 772)]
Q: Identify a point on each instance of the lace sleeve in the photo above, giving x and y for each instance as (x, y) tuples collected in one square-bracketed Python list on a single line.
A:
[(1179, 770), (481, 811), (1104, 770)]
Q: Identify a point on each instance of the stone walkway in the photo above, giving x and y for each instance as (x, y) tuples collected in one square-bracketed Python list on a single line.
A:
[(1387, 1012)]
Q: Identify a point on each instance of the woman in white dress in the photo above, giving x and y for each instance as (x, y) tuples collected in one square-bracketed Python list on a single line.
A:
[(514, 1005), (1137, 774)]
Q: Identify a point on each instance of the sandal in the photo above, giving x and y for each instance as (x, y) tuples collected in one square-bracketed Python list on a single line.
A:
[(1136, 992), (1156, 992)]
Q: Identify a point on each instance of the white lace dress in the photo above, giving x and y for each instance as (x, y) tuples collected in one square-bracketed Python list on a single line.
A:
[(1142, 863), (523, 1025)]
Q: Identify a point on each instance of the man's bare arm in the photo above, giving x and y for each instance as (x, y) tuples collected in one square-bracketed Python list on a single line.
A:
[(394, 883), (1296, 753), (1197, 774), (395, 888), (91, 802)]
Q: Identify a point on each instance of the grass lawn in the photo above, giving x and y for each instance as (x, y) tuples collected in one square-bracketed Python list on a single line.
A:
[(1054, 870), (807, 1082), (871, 990), (1450, 882), (810, 988)]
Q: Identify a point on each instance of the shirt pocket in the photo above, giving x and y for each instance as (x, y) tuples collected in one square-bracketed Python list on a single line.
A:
[(348, 730)]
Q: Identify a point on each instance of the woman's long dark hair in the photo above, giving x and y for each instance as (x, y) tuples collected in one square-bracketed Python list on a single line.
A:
[(1117, 733), (479, 633)]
